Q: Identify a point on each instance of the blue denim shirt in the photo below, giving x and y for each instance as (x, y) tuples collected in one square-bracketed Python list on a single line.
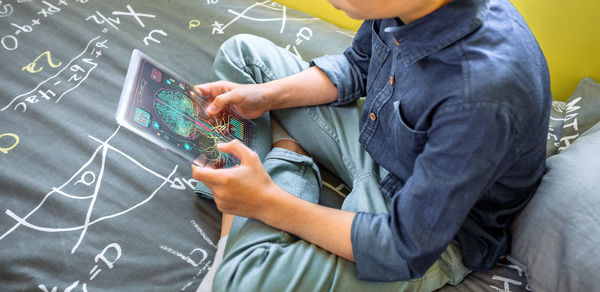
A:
[(456, 109)]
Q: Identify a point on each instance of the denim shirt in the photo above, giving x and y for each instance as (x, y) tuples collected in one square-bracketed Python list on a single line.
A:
[(457, 107)]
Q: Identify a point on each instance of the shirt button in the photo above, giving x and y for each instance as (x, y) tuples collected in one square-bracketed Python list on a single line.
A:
[(396, 42), (372, 116), (391, 80)]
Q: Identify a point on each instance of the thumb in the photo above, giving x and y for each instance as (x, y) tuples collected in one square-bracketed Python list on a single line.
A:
[(209, 89), (204, 174), (239, 150), (221, 101)]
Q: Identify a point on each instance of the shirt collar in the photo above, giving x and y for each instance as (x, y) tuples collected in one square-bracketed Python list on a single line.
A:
[(438, 29)]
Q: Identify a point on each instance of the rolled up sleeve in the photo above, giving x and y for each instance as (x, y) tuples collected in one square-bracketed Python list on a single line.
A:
[(348, 71), (448, 178)]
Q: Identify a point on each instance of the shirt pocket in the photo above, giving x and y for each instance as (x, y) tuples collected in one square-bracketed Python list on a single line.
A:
[(410, 142), (379, 53)]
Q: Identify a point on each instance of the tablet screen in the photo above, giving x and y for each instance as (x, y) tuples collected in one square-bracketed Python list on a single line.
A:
[(167, 111)]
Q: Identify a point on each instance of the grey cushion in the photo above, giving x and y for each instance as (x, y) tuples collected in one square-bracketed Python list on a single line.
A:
[(556, 238), (569, 120)]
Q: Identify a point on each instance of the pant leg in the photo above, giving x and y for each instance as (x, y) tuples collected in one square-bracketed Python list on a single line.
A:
[(248, 59), (330, 135), (259, 257)]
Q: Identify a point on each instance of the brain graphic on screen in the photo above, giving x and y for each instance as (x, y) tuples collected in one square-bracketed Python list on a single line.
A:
[(184, 117), (177, 112)]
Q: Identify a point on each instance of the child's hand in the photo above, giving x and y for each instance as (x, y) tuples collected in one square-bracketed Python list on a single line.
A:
[(248, 99), (242, 190)]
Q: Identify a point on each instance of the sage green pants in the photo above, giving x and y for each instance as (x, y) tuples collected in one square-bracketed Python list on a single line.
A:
[(261, 258)]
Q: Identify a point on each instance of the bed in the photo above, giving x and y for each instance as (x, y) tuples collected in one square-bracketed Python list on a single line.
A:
[(86, 205)]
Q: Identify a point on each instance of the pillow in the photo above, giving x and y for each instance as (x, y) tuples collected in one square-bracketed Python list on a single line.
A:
[(556, 239), (569, 120)]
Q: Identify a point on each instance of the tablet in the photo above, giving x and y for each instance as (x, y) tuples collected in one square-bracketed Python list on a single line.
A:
[(163, 108)]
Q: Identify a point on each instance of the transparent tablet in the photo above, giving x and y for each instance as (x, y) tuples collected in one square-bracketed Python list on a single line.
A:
[(163, 108)]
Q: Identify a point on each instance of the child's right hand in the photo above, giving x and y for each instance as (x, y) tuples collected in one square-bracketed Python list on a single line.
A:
[(250, 100)]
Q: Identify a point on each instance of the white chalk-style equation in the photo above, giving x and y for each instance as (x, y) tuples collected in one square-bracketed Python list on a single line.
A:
[(106, 259), (10, 42), (71, 76), (507, 283), (115, 22), (570, 111), (197, 258), (5, 9), (84, 188), (219, 28), (304, 34)]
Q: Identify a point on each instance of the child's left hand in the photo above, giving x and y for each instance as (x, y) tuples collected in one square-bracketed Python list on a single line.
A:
[(242, 190)]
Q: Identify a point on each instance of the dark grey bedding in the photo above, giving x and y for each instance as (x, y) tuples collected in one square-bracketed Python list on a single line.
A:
[(84, 204)]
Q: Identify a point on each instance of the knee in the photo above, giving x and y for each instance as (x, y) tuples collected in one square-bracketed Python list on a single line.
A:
[(295, 173), (240, 47), (242, 59), (243, 40)]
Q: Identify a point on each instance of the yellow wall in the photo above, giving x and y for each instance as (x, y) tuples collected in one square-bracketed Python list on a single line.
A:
[(322, 9), (568, 32)]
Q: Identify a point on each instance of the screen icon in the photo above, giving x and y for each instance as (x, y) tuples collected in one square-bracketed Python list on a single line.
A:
[(142, 117), (156, 75)]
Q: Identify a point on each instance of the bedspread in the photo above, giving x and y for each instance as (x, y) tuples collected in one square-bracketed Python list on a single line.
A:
[(86, 205)]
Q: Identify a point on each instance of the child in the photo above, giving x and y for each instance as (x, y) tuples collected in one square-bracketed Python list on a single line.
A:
[(448, 146)]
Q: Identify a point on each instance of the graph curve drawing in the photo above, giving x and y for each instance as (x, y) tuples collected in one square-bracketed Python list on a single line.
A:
[(90, 176)]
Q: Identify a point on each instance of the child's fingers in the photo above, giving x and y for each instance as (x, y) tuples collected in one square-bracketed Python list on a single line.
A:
[(204, 89), (222, 100), (239, 150), (204, 174)]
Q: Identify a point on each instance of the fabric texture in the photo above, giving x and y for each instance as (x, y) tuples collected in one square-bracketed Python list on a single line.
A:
[(261, 258), (86, 204), (458, 115), (55, 147), (555, 239)]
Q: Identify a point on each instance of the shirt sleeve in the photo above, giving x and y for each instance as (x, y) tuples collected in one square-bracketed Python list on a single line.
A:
[(460, 161), (348, 71)]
